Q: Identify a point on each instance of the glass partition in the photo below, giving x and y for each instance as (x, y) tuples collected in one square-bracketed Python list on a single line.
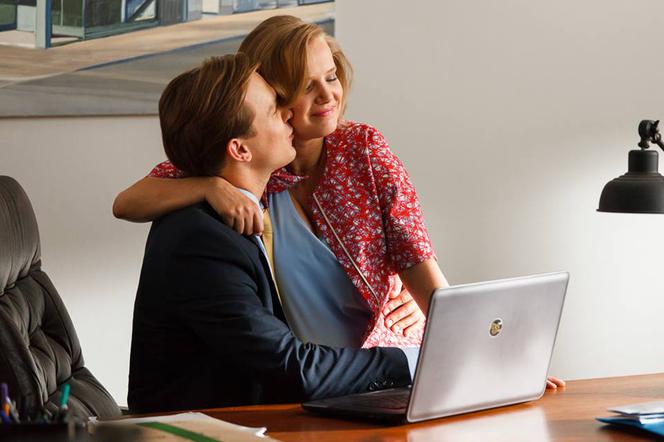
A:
[(98, 18), (67, 17), (7, 15)]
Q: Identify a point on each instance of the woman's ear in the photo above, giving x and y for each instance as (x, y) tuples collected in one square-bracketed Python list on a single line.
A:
[(238, 150)]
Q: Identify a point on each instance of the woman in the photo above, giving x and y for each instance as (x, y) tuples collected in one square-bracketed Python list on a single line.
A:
[(347, 223), (311, 75)]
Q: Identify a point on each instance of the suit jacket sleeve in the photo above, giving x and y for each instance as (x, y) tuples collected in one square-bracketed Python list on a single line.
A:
[(216, 295)]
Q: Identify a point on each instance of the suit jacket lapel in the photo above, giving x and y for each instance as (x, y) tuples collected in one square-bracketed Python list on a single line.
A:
[(276, 302)]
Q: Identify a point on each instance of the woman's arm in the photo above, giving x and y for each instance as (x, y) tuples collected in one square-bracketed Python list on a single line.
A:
[(421, 280), (150, 198)]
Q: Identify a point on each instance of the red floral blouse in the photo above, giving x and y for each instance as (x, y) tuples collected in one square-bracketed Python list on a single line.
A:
[(366, 200)]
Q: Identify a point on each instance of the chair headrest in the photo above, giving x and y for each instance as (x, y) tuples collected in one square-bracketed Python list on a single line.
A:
[(19, 235)]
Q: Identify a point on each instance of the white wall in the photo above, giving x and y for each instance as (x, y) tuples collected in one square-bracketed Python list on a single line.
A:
[(511, 116), (72, 168)]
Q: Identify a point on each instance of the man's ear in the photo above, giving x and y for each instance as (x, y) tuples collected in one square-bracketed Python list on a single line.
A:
[(238, 150)]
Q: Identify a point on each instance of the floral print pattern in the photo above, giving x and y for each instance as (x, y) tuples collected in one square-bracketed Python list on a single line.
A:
[(371, 204)]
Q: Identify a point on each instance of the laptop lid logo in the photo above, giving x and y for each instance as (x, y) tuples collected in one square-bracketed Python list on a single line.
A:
[(496, 327)]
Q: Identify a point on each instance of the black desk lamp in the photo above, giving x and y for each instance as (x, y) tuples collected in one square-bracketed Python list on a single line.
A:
[(641, 189)]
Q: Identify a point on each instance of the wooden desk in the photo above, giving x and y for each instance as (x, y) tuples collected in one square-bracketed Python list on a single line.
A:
[(567, 415)]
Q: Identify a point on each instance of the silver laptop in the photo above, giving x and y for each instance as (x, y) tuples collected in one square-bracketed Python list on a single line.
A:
[(485, 345)]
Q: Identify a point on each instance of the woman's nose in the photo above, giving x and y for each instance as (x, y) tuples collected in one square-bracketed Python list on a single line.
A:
[(324, 94)]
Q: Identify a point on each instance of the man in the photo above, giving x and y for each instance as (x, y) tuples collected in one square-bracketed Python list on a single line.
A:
[(208, 328)]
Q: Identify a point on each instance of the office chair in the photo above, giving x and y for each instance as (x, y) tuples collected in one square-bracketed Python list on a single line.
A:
[(39, 349)]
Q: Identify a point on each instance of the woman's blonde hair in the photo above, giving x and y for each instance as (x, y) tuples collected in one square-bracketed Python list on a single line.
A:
[(279, 46)]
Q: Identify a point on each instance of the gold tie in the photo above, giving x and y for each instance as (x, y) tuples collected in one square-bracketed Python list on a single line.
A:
[(267, 237), (268, 244)]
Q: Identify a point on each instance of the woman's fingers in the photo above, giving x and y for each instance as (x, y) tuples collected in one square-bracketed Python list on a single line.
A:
[(397, 293), (258, 223), (405, 323), (553, 382), (397, 300), (397, 314), (404, 317), (402, 313), (246, 220), (413, 328), (238, 225), (237, 210)]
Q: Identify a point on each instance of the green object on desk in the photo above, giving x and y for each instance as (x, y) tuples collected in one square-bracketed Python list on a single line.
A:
[(64, 395), (177, 431)]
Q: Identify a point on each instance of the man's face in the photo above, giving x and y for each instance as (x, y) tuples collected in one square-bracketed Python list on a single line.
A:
[(271, 145)]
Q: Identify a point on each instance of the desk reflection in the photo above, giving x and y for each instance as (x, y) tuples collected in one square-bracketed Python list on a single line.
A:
[(523, 425)]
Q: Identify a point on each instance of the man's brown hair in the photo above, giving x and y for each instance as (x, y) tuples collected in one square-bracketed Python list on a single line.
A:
[(201, 110)]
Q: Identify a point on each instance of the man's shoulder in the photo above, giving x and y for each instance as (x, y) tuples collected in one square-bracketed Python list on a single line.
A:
[(192, 217), (198, 222)]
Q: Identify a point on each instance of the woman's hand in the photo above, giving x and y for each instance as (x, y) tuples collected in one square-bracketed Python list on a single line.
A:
[(236, 210), (553, 383), (402, 315)]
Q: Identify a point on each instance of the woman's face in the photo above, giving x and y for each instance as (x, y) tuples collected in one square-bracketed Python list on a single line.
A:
[(316, 110)]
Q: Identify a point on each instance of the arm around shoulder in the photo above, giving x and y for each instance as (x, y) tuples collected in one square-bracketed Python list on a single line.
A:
[(150, 197)]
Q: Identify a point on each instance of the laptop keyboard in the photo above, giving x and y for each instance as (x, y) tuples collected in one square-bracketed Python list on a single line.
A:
[(393, 399)]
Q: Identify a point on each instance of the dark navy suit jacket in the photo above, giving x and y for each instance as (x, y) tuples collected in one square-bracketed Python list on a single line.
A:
[(209, 330)]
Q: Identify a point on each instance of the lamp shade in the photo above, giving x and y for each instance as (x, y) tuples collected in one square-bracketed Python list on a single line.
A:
[(640, 190)]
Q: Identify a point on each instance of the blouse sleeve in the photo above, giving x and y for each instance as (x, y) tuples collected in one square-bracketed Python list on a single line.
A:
[(406, 235), (165, 170)]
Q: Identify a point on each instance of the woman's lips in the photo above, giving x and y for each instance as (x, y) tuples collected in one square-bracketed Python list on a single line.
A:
[(324, 113)]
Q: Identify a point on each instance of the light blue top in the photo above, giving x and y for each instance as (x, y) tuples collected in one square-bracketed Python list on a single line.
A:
[(320, 302)]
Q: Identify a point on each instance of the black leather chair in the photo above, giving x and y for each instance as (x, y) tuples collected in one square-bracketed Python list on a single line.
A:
[(39, 349)]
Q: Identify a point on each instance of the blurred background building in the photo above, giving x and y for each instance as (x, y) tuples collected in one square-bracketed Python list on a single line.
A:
[(85, 19)]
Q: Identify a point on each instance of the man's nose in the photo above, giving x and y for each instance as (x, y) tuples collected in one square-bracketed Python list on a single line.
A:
[(287, 113)]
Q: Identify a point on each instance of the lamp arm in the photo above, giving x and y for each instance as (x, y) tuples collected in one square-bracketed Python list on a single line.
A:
[(649, 133), (657, 139)]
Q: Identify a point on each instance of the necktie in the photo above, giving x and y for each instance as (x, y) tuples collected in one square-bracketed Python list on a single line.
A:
[(267, 237), (268, 244)]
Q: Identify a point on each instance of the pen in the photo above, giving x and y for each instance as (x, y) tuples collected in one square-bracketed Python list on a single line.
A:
[(64, 408), (64, 396)]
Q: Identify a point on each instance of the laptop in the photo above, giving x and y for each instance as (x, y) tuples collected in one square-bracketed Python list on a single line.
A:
[(485, 345)]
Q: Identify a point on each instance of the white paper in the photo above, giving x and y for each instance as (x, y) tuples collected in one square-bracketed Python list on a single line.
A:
[(644, 408), (184, 417)]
